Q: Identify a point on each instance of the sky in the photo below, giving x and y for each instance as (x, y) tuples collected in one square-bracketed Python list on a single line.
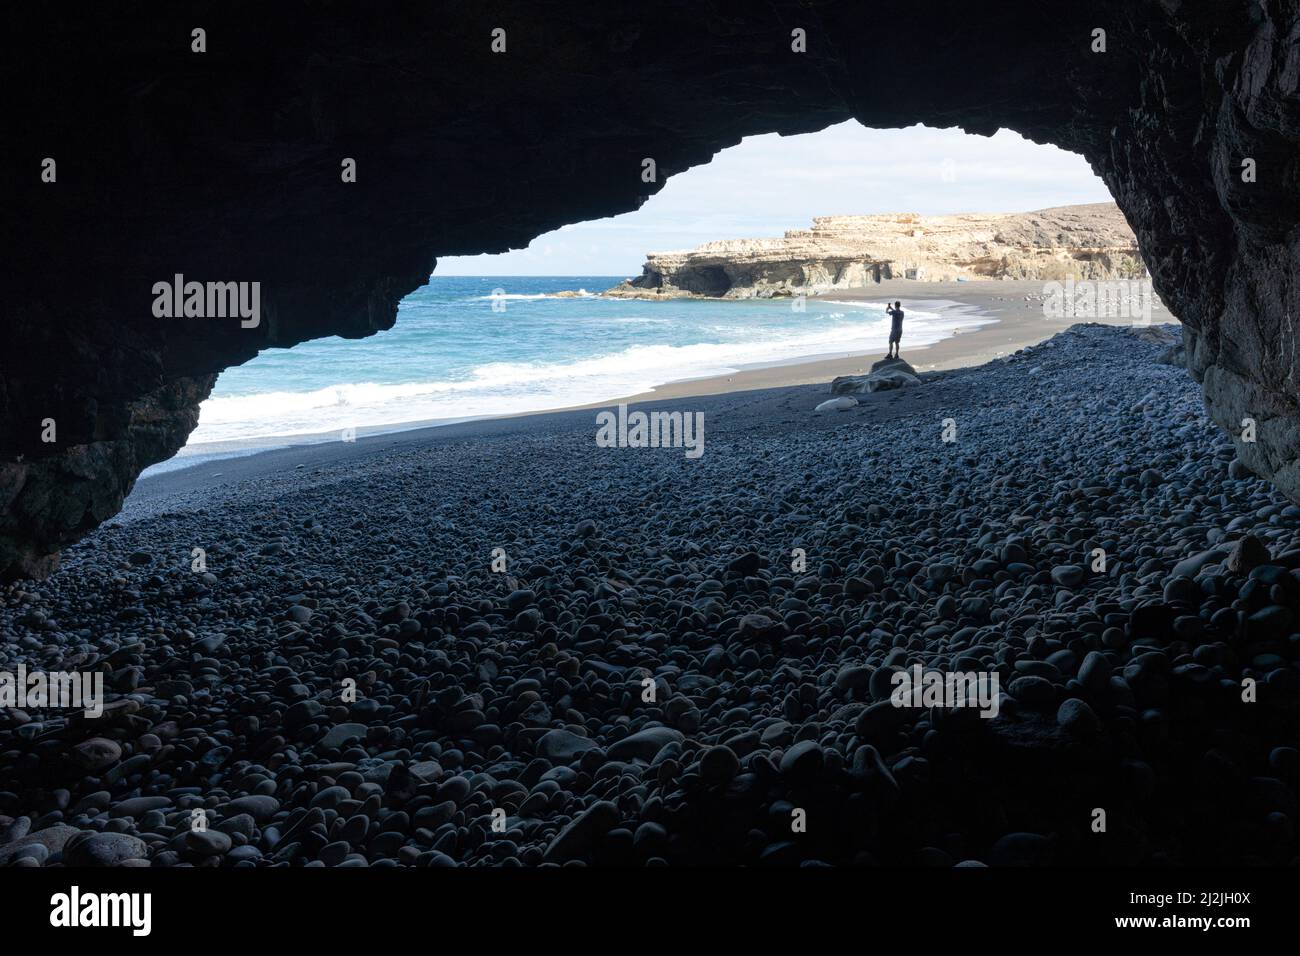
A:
[(768, 184)]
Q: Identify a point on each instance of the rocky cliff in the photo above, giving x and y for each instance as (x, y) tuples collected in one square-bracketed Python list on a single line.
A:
[(225, 165), (845, 252)]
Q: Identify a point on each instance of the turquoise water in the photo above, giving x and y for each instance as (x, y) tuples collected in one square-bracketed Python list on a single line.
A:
[(466, 347)]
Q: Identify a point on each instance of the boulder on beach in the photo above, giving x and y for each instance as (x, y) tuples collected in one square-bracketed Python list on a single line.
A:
[(892, 364), (888, 373)]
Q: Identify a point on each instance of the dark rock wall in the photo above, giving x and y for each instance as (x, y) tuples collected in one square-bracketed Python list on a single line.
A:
[(225, 166)]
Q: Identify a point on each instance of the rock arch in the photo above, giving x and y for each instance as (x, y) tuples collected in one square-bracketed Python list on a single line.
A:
[(225, 166)]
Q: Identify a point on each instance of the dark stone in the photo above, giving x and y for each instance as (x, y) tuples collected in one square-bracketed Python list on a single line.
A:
[(580, 836), (718, 765)]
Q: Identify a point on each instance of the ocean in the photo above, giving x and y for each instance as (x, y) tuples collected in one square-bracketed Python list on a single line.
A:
[(469, 347)]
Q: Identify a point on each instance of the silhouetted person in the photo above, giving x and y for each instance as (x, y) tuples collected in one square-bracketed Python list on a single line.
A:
[(895, 330)]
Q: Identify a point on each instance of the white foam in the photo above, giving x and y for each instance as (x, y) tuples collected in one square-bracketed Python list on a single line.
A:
[(503, 388)]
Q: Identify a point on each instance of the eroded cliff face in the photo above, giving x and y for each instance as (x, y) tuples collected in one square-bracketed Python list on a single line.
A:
[(226, 166), (1091, 241)]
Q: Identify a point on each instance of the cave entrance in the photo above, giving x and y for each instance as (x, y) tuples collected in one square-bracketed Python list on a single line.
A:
[(780, 250), (707, 280)]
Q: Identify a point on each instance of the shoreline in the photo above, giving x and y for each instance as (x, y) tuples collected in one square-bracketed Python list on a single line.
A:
[(801, 550), (1016, 323)]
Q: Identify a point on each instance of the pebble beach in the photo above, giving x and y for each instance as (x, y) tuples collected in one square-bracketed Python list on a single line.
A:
[(498, 643)]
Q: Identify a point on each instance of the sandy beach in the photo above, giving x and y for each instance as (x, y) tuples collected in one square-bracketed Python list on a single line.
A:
[(1020, 322)]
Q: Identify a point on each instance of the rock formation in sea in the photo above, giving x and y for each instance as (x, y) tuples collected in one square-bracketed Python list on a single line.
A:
[(132, 158), (851, 252)]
